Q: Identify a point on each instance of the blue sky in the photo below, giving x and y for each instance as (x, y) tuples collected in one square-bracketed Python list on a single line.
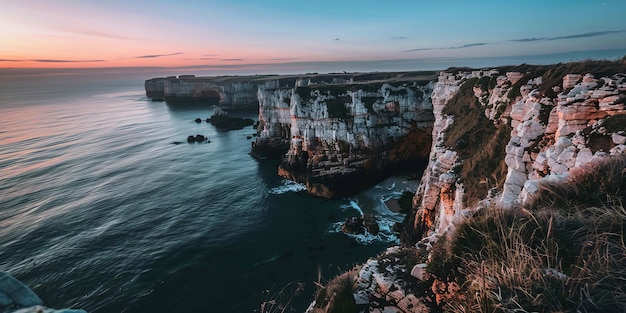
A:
[(187, 33)]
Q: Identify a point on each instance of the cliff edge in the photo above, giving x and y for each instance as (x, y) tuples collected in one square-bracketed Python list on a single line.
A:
[(520, 207), (340, 137)]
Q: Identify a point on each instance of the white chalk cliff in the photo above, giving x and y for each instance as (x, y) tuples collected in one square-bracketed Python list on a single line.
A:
[(554, 129), (334, 134)]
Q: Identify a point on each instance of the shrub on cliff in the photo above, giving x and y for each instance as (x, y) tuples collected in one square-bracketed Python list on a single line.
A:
[(561, 253)]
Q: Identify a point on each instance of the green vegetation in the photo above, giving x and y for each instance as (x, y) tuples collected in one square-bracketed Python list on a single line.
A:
[(369, 102), (478, 141), (337, 107), (566, 252), (304, 92)]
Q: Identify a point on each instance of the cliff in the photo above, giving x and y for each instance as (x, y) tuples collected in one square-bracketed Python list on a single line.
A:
[(499, 133), (226, 91), (520, 207), (339, 137)]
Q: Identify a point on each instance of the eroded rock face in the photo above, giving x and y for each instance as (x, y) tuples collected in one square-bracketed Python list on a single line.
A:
[(554, 129), (343, 137)]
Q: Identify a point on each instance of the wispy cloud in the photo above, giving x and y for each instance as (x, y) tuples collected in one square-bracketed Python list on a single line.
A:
[(152, 56), (231, 59), (574, 36), (469, 45), (199, 59), (336, 39), (399, 37), (585, 35), (421, 49), (283, 59), (51, 61), (64, 61), (529, 39)]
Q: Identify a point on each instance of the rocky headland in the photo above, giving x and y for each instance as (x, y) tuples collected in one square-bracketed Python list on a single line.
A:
[(340, 137), (520, 207)]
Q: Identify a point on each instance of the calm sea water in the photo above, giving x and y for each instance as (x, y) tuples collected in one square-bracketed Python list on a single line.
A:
[(100, 211)]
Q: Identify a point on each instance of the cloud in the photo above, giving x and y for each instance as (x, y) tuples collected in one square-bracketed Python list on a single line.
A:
[(152, 56), (399, 37), (421, 49), (575, 36), (336, 39), (201, 59), (64, 61), (469, 45), (529, 39), (51, 61), (585, 35), (283, 59), (231, 59)]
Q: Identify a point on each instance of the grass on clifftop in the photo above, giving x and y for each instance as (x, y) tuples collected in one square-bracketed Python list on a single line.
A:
[(478, 141), (560, 254)]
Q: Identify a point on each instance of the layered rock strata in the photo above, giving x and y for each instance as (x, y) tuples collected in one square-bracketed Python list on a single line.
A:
[(545, 121), (541, 128), (339, 138), (242, 91)]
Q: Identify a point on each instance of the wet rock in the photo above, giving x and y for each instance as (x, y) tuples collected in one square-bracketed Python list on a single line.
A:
[(360, 225), (191, 139), (198, 120), (200, 138)]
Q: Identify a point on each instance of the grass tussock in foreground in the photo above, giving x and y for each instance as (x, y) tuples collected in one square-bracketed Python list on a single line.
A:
[(336, 296), (563, 253)]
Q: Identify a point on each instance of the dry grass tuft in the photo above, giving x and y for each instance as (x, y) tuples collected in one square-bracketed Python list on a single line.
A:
[(562, 255), (595, 184), (337, 296)]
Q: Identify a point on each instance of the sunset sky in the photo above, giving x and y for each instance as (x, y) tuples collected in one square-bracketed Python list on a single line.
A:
[(113, 33)]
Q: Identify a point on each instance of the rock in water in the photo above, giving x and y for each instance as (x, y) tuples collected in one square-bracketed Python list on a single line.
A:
[(18, 298), (200, 138), (220, 119), (191, 139), (370, 224), (19, 294), (198, 120), (361, 225)]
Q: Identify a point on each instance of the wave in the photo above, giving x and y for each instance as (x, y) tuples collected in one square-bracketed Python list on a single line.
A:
[(287, 186), (384, 235), (353, 204)]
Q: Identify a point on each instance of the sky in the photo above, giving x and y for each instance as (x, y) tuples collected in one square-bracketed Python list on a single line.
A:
[(185, 33)]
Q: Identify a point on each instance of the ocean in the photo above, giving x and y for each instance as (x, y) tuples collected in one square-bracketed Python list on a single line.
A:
[(100, 210)]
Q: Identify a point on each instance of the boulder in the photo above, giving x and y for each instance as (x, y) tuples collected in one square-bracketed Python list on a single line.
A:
[(360, 225), (198, 120), (19, 294), (191, 139)]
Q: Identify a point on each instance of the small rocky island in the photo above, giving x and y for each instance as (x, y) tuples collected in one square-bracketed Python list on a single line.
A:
[(221, 120)]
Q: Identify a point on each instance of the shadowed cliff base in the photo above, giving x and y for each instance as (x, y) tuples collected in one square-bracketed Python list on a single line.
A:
[(350, 171), (339, 137)]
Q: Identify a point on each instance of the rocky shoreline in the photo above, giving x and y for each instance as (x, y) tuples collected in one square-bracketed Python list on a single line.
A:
[(489, 140)]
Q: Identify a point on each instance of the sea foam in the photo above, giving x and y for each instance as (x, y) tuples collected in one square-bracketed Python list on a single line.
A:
[(287, 186)]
